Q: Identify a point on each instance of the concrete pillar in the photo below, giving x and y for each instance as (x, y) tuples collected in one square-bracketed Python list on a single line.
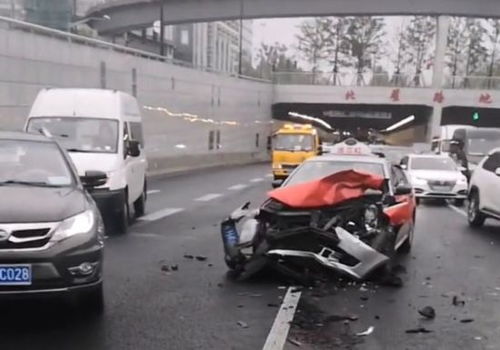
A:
[(443, 24)]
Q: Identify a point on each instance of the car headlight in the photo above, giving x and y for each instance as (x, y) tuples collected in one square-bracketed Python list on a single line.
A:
[(82, 223), (277, 166), (371, 215)]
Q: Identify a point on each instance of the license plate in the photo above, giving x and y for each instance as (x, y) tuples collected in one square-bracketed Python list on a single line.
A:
[(442, 188), (15, 275)]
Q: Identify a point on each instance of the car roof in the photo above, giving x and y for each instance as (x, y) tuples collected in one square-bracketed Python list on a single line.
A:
[(23, 136), (349, 158), (436, 156)]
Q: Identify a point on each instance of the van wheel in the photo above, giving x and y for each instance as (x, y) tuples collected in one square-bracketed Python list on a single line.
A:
[(122, 218), (140, 203)]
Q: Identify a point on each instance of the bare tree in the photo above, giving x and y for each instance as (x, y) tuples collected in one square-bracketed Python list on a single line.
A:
[(494, 39), (363, 41)]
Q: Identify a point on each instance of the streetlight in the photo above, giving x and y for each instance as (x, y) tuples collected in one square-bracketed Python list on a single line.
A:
[(88, 19)]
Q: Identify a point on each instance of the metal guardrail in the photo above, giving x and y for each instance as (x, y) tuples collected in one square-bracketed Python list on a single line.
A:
[(350, 79), (83, 40)]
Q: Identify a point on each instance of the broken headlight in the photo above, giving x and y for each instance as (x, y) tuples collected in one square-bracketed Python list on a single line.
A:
[(371, 216)]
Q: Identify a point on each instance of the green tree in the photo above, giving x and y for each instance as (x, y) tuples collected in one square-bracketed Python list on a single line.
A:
[(313, 41), (363, 42), (417, 42)]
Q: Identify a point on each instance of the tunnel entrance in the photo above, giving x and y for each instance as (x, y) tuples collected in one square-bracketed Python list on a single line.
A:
[(482, 117), (359, 119)]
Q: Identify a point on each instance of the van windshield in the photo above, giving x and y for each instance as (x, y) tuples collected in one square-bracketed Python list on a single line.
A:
[(79, 134), (294, 142)]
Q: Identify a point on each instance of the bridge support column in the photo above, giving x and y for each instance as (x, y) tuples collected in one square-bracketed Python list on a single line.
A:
[(443, 24)]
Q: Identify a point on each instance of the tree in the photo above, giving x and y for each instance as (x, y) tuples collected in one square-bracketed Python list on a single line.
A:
[(336, 28), (313, 41), (494, 38), (363, 41), (417, 39), (273, 58), (455, 46), (477, 52)]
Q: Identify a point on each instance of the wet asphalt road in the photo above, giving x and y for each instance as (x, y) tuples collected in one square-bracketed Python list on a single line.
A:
[(198, 307)]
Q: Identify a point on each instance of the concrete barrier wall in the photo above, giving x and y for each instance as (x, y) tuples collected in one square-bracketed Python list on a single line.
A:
[(181, 107)]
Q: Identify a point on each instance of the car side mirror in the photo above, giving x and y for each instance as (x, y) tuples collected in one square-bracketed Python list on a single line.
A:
[(402, 190), (93, 178), (497, 171), (277, 183), (133, 148), (403, 166)]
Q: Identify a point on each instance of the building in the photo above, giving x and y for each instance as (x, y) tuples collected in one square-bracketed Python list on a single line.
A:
[(12, 8)]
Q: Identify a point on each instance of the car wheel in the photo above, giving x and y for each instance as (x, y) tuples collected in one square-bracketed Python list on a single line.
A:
[(459, 202), (123, 218), (474, 215), (407, 244), (93, 301), (140, 203)]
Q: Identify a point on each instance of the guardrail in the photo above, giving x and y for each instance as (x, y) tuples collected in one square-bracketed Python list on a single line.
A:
[(83, 40), (351, 79)]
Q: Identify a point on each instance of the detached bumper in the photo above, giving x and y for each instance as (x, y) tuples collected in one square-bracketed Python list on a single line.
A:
[(108, 202)]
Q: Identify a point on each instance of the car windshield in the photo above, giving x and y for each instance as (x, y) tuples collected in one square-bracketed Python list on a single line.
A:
[(429, 163), (294, 142), (481, 146), (80, 134), (33, 163), (315, 170)]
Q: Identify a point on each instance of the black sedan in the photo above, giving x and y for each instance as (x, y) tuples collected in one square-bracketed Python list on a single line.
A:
[(51, 232)]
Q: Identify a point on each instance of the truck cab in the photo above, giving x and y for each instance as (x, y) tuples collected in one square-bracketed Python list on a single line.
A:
[(293, 144)]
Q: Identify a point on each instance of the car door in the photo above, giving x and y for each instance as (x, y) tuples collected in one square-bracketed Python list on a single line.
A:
[(488, 183), (405, 204), (129, 165), (140, 162)]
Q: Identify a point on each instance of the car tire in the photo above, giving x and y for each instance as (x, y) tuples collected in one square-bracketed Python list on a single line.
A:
[(408, 243), (93, 301), (474, 215), (459, 202), (140, 203), (123, 218)]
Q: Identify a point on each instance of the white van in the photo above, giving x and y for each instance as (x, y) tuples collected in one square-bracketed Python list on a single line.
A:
[(101, 130)]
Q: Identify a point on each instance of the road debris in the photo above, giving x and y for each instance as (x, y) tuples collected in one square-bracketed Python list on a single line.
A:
[(294, 342), (367, 332), (427, 312), (364, 298), (201, 258), (418, 330), (174, 267), (273, 305), (466, 320), (165, 268), (187, 256), (457, 302), (242, 324)]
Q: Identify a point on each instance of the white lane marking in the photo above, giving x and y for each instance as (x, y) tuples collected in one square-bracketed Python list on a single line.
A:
[(269, 175), (237, 187), (460, 211), (208, 197), (160, 214), (257, 179), (154, 191), (279, 332)]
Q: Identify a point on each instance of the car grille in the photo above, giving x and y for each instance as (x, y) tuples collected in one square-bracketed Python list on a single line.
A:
[(25, 236)]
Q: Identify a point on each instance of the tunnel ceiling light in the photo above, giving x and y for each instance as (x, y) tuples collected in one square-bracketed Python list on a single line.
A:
[(312, 119), (401, 123)]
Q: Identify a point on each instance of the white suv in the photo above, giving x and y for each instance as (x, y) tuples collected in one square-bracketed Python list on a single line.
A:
[(484, 190)]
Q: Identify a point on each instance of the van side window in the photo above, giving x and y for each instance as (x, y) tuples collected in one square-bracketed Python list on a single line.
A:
[(136, 130)]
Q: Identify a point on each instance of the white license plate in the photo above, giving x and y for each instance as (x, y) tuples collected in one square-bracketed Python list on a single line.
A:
[(15, 275), (441, 188)]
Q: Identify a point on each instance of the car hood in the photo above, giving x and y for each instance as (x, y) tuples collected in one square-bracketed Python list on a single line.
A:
[(442, 175), (105, 162), (23, 204)]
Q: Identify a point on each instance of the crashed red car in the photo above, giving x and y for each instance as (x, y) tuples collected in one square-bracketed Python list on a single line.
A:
[(348, 214)]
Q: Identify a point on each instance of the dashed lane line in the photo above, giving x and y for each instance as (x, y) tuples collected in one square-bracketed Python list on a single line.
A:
[(154, 191), (237, 187), (257, 179), (208, 197), (160, 214), (279, 332), (457, 210)]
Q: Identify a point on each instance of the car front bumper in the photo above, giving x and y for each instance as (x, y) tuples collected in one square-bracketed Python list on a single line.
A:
[(57, 268), (423, 190)]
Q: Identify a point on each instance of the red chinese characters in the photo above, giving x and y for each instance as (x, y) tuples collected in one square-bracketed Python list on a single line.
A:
[(350, 95), (485, 98), (395, 95), (438, 97)]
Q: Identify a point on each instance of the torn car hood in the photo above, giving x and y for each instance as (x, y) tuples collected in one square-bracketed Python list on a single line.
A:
[(328, 191)]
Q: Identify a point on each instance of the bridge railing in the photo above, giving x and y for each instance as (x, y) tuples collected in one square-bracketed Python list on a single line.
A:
[(351, 79), (70, 38)]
